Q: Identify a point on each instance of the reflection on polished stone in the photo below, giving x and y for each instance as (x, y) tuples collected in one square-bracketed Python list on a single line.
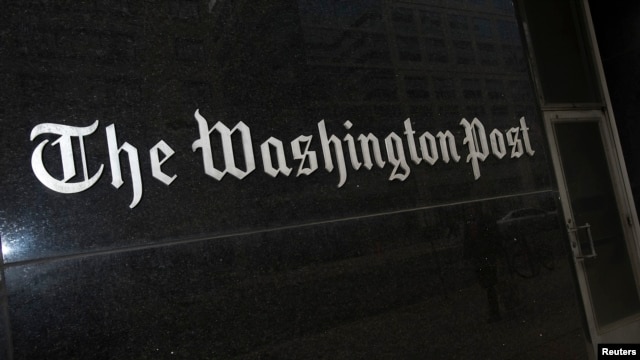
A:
[(349, 289), (372, 247), (360, 69)]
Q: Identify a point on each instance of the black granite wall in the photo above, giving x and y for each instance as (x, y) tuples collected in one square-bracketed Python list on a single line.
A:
[(407, 259)]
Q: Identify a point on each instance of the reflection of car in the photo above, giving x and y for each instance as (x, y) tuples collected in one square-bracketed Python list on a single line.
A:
[(527, 220)]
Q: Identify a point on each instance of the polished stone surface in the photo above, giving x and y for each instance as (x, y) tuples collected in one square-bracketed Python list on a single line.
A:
[(358, 289), (281, 68), (450, 259)]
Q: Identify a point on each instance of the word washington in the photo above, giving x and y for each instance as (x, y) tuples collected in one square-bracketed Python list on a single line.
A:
[(424, 147)]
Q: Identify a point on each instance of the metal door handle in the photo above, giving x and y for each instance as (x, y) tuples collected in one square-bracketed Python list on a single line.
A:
[(575, 230)]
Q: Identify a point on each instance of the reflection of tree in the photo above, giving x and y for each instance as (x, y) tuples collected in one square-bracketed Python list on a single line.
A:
[(482, 246), (525, 258), (528, 244)]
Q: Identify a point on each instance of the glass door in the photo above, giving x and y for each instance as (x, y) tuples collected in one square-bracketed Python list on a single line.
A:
[(599, 221)]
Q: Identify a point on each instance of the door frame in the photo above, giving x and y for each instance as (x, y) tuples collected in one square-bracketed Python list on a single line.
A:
[(626, 329)]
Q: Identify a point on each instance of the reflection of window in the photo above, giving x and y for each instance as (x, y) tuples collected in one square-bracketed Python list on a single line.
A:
[(502, 4), (431, 23), (40, 42), (408, 48), (319, 44), (381, 95), (474, 111), (482, 28), (356, 14), (90, 43), (449, 111), (122, 89), (499, 111), (444, 88), (513, 57), (458, 25), (403, 20), (121, 46), (425, 112), (189, 49), (519, 90), (183, 9), (508, 31), (464, 52), (436, 50), (375, 49), (197, 92), (37, 87), (471, 89), (121, 6), (487, 54), (381, 86), (417, 87), (369, 20), (495, 90)]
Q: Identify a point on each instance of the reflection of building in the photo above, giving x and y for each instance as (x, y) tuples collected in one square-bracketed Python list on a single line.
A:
[(438, 64), (107, 35), (421, 47), (293, 267)]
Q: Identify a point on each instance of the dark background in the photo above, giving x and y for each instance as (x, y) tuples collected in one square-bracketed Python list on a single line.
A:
[(619, 43)]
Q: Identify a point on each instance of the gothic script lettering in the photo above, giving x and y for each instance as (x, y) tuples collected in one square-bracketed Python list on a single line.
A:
[(349, 153)]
